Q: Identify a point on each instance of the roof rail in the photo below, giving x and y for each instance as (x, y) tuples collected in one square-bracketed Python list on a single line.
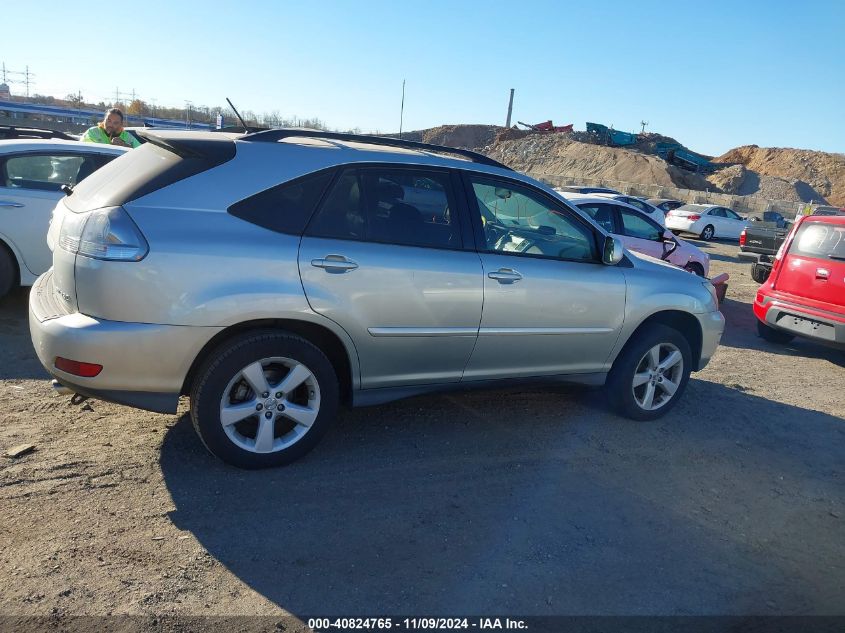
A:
[(270, 136)]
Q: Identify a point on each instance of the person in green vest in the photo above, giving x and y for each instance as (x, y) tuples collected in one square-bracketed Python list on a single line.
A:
[(110, 131)]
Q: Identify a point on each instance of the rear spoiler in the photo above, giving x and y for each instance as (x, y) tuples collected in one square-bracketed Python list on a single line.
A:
[(208, 146)]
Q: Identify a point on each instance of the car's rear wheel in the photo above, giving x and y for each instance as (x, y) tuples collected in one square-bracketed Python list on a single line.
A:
[(8, 270), (264, 399), (651, 373), (707, 233), (760, 273), (772, 335)]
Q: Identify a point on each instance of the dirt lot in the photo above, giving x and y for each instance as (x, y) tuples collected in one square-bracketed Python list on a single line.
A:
[(527, 502)]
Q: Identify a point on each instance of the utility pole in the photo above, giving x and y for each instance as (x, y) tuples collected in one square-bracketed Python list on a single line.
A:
[(28, 75), (643, 123), (402, 110), (510, 110), (188, 105)]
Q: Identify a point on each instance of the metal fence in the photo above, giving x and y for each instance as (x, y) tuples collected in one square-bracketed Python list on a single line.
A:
[(740, 204)]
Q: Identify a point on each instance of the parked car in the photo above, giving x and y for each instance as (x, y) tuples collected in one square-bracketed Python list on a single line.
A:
[(648, 209), (708, 221), (32, 173), (641, 233), (14, 132), (805, 292), (665, 204), (579, 189), (261, 275)]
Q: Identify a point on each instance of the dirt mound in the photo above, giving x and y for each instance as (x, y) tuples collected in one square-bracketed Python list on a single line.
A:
[(560, 154), (463, 136), (816, 175)]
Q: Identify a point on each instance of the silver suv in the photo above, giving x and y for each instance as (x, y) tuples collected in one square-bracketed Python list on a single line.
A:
[(275, 275)]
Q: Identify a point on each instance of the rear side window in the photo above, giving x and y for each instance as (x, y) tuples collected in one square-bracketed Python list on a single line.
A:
[(601, 213), (407, 207), (820, 241), (285, 208), (637, 226)]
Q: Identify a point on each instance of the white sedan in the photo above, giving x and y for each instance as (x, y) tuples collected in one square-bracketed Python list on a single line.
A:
[(707, 221), (32, 173)]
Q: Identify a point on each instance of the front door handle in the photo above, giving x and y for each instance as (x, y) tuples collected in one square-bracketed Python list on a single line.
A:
[(505, 276), (822, 273), (6, 203), (336, 263)]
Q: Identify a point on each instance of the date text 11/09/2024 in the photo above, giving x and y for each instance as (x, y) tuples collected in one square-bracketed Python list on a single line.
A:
[(386, 624)]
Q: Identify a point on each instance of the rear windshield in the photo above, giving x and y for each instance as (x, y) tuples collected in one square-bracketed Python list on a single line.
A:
[(820, 241), (137, 173)]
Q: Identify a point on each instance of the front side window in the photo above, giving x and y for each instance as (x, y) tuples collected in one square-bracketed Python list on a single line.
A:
[(635, 225), (45, 172), (730, 214), (518, 220), (407, 207), (718, 212)]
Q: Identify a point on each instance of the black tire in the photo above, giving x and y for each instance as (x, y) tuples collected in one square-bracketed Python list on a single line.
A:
[(760, 273), (8, 270), (619, 385), (707, 233), (695, 268), (772, 335), (674, 232), (225, 364)]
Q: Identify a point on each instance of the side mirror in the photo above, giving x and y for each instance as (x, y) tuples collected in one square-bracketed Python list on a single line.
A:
[(613, 251)]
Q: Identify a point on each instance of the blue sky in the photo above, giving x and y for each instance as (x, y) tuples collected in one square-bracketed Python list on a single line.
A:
[(714, 75)]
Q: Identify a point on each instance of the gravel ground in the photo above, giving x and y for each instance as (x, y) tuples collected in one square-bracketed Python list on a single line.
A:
[(528, 502)]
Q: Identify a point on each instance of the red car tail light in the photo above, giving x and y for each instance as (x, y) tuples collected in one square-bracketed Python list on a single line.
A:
[(742, 238), (693, 218), (78, 368)]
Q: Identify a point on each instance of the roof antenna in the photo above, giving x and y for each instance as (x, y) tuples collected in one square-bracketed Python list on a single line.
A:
[(238, 114)]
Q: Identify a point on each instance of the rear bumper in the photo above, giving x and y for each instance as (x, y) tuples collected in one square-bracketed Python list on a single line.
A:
[(754, 257), (144, 365), (712, 328), (800, 320)]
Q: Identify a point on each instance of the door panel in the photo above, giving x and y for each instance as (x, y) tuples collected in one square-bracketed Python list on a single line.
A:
[(549, 306), (394, 276), (24, 219)]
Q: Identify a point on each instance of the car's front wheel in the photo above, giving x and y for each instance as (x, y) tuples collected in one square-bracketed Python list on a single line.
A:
[(651, 373), (708, 232), (264, 399)]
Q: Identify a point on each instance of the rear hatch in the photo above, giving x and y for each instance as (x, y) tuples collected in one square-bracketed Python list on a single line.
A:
[(167, 158), (814, 266)]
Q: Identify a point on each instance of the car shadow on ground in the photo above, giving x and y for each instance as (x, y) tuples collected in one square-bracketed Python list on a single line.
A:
[(533, 502), (741, 332), (17, 356)]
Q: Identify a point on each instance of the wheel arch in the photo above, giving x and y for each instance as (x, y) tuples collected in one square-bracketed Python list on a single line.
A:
[(684, 322), (5, 245), (340, 356)]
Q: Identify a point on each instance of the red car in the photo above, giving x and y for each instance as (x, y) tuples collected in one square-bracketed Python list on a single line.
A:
[(805, 292)]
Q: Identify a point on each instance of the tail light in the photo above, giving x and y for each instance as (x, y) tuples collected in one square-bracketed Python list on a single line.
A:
[(693, 218), (742, 238), (107, 233)]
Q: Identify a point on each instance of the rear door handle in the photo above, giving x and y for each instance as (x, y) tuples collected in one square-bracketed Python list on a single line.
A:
[(505, 276), (6, 203), (335, 263)]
